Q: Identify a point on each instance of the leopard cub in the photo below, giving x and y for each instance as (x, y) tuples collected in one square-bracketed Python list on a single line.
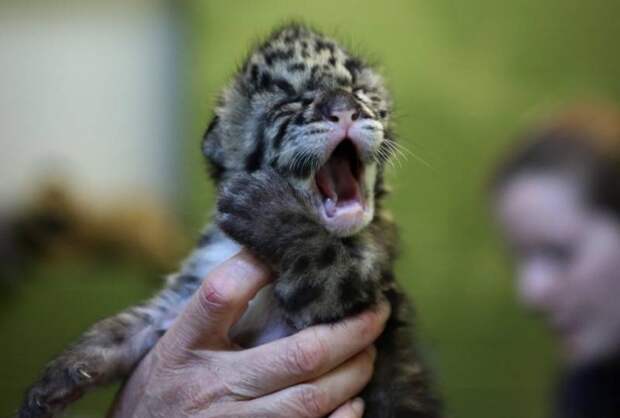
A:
[(297, 146)]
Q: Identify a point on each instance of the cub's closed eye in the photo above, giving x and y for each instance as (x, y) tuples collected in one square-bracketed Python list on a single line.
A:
[(292, 101), (295, 102)]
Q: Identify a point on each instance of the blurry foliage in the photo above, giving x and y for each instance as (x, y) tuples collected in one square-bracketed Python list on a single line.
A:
[(466, 77), (56, 225)]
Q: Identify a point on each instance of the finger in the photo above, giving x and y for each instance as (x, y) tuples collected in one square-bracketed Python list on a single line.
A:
[(219, 302), (352, 409), (319, 397), (303, 356)]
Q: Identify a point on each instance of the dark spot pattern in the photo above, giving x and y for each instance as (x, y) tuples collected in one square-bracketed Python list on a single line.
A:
[(350, 242), (212, 125), (301, 265), (184, 285), (321, 45), (285, 86), (216, 168), (301, 297), (255, 159), (275, 116), (299, 119), (265, 82), (354, 66), (206, 239), (343, 81), (278, 55), (277, 140), (327, 257), (254, 73), (353, 291), (296, 67)]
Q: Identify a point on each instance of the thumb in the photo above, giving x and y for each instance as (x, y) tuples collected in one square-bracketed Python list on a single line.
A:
[(219, 303)]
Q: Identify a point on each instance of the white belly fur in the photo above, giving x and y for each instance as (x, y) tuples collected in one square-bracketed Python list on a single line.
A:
[(261, 322)]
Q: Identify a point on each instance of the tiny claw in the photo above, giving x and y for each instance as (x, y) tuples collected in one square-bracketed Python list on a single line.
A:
[(84, 374)]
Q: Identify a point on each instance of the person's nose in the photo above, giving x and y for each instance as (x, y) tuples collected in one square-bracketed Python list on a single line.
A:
[(538, 284)]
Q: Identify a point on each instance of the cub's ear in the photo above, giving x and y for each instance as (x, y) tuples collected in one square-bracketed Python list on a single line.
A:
[(213, 150)]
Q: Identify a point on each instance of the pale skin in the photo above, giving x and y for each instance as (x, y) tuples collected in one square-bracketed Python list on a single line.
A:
[(195, 370), (567, 256)]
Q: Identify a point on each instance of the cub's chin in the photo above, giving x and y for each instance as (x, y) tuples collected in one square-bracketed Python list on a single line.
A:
[(348, 221)]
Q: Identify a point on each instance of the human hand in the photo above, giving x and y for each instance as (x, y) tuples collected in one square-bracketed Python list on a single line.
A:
[(196, 371)]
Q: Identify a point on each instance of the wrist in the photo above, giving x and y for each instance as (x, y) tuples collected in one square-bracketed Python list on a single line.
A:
[(133, 389)]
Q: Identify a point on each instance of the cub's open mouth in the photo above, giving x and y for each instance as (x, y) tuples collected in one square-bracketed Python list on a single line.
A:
[(340, 186)]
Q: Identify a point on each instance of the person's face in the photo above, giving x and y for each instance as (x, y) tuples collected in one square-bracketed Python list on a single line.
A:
[(568, 261)]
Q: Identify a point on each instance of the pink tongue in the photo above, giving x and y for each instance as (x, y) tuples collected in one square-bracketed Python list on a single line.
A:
[(337, 182)]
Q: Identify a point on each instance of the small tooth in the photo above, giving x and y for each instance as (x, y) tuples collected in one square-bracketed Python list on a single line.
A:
[(330, 207)]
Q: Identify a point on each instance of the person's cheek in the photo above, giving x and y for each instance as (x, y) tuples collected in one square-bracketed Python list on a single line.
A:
[(607, 288), (594, 293)]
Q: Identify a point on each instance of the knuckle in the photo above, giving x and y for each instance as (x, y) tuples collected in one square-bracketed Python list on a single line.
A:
[(313, 401), (305, 356), (241, 385), (214, 296)]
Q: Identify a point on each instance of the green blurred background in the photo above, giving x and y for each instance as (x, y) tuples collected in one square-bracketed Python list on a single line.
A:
[(466, 78)]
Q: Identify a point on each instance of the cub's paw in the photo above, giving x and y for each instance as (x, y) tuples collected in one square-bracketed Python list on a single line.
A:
[(254, 208), (62, 383)]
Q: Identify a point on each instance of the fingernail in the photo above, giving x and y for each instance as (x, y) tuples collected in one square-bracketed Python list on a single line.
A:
[(358, 406)]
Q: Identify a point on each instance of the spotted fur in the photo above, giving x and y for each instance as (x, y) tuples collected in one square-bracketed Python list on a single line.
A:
[(264, 144)]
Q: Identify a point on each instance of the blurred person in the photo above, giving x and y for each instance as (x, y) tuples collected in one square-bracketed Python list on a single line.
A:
[(190, 373), (557, 200)]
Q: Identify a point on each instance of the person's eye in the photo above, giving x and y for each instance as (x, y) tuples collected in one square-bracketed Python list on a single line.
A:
[(560, 253)]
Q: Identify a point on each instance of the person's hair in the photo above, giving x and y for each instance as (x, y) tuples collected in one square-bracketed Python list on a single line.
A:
[(583, 142)]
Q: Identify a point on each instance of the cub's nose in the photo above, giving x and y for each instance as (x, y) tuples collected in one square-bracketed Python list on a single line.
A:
[(346, 117), (340, 107)]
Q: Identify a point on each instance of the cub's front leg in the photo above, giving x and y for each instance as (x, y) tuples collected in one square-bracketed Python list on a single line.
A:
[(321, 277), (107, 351)]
